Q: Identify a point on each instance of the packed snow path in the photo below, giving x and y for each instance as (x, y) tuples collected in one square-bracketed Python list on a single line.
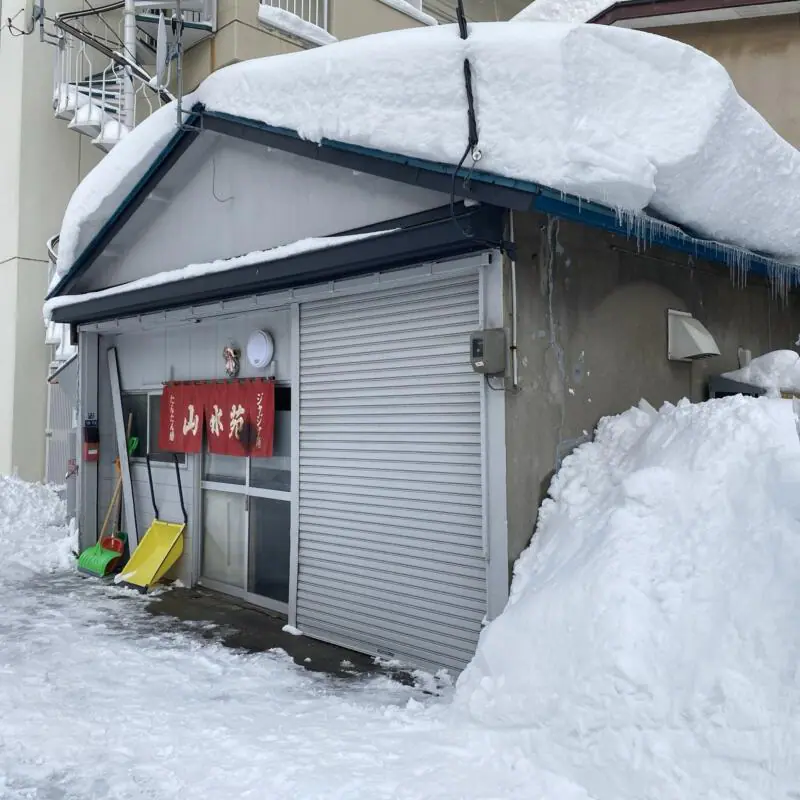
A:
[(99, 699)]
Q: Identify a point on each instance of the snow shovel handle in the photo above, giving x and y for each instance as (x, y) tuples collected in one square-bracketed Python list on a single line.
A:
[(180, 489), (150, 481), (180, 486)]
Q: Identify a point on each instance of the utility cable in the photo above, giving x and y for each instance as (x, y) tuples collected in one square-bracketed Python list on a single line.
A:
[(473, 139)]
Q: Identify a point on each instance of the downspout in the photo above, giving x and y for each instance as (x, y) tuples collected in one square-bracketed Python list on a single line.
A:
[(129, 43), (513, 258)]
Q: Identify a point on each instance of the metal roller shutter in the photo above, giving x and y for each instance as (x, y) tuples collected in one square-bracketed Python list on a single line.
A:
[(391, 553)]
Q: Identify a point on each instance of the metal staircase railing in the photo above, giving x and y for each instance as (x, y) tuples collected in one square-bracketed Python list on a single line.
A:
[(99, 86)]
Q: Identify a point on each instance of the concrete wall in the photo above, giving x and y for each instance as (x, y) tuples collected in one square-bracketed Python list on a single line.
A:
[(592, 342), (41, 165), (763, 58)]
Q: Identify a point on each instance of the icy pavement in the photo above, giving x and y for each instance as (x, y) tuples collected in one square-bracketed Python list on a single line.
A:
[(100, 700)]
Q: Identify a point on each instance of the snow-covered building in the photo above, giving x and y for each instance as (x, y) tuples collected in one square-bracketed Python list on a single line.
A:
[(433, 321), (757, 41), (76, 79)]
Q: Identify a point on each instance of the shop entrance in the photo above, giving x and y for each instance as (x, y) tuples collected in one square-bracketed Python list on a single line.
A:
[(246, 507)]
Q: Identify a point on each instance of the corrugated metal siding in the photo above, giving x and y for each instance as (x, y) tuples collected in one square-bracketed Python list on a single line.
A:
[(391, 555), (59, 425)]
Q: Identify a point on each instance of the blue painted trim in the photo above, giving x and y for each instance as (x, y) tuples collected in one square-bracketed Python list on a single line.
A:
[(161, 164), (494, 190)]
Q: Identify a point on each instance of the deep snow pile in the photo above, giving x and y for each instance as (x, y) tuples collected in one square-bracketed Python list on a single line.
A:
[(32, 532), (773, 371), (651, 641), (618, 116)]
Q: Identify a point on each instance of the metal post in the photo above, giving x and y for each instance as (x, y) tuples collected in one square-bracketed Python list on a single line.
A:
[(128, 114), (179, 60)]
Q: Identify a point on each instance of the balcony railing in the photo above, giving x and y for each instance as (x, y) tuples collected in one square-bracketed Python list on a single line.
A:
[(313, 11)]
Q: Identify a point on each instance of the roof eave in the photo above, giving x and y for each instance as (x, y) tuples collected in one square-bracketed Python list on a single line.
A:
[(630, 10)]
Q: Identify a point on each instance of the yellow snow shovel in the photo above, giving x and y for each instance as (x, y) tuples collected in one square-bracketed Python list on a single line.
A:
[(160, 547)]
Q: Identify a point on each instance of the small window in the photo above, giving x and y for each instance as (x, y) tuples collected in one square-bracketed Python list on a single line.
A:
[(152, 441), (146, 415), (134, 412)]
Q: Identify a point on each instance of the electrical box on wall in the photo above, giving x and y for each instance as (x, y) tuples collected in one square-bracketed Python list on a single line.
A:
[(487, 351)]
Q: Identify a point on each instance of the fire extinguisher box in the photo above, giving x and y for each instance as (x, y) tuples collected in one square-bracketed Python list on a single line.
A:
[(91, 441)]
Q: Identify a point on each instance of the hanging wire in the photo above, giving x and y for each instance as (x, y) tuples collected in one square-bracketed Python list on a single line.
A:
[(473, 140), (214, 182), (14, 30)]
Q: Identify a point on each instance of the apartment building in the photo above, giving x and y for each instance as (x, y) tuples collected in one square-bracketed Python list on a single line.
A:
[(74, 79)]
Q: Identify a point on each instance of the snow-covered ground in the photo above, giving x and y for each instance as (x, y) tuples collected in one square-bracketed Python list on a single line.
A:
[(618, 116), (99, 699), (650, 651)]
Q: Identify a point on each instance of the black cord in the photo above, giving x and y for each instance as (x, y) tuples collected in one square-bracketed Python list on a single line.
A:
[(472, 136)]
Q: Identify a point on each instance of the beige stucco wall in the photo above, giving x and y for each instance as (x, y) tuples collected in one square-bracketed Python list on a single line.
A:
[(763, 58), (350, 18), (42, 163)]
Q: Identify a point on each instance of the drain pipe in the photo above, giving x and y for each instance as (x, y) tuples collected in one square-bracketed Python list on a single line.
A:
[(129, 43), (513, 258), (178, 31)]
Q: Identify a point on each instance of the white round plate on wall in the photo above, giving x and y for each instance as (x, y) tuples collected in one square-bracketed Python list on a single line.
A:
[(260, 349)]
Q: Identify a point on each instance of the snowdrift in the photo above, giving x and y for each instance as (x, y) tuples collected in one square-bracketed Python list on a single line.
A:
[(617, 116), (651, 640), (32, 533), (775, 371)]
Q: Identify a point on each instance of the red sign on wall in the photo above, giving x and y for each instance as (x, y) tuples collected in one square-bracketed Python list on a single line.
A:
[(238, 417)]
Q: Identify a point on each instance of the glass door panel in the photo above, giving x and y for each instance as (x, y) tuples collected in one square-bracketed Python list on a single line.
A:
[(276, 473), (224, 523), (270, 526), (224, 469)]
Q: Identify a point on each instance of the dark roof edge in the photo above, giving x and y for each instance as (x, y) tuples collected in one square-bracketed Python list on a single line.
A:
[(486, 188), (436, 238), (166, 159), (641, 9)]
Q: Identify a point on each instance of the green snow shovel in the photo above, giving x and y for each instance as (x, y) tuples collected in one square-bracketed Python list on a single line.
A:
[(101, 558)]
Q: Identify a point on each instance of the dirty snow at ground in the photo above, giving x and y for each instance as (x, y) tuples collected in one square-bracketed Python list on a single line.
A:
[(773, 371), (562, 10), (618, 116), (649, 651), (651, 645)]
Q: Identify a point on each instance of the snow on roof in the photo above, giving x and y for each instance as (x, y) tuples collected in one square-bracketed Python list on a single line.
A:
[(219, 265), (562, 10), (653, 620), (618, 116), (775, 371)]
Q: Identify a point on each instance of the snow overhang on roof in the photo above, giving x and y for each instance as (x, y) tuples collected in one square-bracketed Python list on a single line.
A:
[(552, 136)]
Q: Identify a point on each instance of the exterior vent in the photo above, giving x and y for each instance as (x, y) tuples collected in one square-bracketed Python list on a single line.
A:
[(687, 338)]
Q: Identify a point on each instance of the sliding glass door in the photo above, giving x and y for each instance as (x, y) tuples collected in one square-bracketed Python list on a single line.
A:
[(246, 518)]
